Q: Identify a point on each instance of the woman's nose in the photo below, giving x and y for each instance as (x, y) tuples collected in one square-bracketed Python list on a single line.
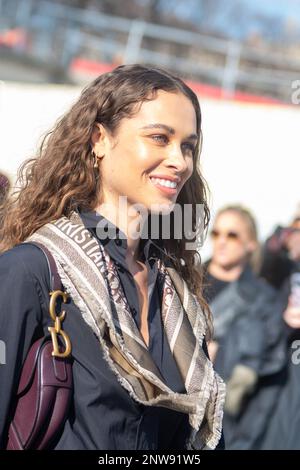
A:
[(177, 159), (221, 240)]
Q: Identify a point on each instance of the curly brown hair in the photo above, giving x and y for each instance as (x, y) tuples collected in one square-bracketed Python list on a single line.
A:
[(4, 187), (62, 177)]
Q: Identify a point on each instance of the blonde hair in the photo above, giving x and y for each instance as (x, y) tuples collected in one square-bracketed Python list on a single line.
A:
[(245, 214)]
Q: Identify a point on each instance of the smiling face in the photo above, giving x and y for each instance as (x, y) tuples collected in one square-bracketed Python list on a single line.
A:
[(150, 157)]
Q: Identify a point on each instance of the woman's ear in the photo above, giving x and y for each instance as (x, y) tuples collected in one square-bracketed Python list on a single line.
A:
[(99, 139)]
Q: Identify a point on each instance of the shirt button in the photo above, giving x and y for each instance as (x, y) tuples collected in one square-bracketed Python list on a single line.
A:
[(134, 311), (118, 242)]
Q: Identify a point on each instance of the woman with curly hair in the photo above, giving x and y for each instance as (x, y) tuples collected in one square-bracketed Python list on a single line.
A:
[(136, 317)]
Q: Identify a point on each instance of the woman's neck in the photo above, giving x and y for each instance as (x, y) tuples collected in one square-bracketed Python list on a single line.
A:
[(225, 274), (128, 224)]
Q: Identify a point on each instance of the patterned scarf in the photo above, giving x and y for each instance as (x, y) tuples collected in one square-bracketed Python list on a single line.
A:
[(90, 277)]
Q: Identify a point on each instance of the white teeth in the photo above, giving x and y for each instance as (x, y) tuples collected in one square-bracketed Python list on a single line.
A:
[(166, 183)]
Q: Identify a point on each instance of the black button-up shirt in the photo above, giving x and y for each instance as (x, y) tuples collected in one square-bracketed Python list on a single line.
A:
[(103, 415), (115, 244)]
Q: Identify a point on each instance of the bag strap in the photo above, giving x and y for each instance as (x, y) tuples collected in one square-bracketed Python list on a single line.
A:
[(56, 292), (55, 281)]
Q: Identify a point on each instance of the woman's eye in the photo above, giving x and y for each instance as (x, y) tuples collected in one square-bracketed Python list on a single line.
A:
[(188, 147), (161, 138)]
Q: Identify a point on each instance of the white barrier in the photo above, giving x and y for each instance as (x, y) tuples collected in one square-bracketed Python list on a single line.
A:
[(250, 152)]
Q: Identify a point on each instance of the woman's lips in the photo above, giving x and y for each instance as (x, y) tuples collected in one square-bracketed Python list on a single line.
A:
[(165, 185)]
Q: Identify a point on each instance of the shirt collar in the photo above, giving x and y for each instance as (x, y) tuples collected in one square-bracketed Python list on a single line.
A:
[(114, 240)]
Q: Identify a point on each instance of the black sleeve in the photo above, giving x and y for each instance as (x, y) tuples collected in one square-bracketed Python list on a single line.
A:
[(184, 430), (21, 319), (221, 444), (204, 347)]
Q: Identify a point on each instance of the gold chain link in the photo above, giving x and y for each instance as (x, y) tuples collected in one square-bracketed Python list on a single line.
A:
[(57, 330)]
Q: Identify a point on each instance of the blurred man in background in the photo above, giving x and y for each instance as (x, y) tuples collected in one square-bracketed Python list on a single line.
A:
[(282, 267), (281, 253)]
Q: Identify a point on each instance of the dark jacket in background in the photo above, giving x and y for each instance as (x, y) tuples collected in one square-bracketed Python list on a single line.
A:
[(276, 266), (283, 432), (248, 329)]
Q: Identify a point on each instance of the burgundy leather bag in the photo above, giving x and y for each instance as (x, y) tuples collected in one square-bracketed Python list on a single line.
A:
[(45, 388)]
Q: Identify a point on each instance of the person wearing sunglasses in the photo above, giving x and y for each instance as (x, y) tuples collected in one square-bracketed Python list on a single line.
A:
[(245, 349)]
